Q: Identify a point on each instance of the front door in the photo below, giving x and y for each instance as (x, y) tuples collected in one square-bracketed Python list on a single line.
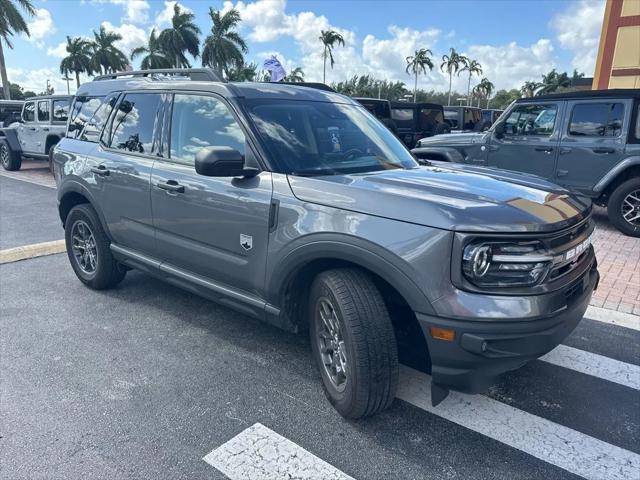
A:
[(28, 129), (530, 140), (593, 141), (216, 227)]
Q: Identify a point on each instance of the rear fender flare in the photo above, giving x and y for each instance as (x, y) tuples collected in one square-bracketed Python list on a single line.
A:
[(11, 134), (612, 174)]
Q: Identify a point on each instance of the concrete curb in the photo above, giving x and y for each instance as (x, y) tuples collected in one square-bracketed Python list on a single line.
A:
[(25, 252), (613, 317)]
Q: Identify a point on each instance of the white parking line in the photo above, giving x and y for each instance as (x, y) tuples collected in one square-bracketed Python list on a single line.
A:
[(22, 178), (596, 365), (259, 453), (613, 317), (553, 443)]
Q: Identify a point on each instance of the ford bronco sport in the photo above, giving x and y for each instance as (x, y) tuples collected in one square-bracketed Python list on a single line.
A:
[(41, 125), (586, 141), (298, 207)]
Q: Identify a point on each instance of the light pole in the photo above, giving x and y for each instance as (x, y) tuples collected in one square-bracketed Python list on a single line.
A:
[(66, 77)]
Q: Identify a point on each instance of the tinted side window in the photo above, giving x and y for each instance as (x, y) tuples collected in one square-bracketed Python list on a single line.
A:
[(200, 121), (134, 122), (531, 120), (93, 127), (82, 110), (28, 114), (597, 120), (43, 111), (60, 110)]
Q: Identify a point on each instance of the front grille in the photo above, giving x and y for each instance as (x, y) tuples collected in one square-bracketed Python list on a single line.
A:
[(564, 244)]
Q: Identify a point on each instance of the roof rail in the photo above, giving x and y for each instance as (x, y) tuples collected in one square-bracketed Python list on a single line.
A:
[(194, 74)]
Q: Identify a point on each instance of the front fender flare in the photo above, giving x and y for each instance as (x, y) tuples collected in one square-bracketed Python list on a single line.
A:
[(359, 252)]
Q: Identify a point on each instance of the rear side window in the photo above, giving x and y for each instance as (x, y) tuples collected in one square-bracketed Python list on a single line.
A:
[(60, 111), (82, 110), (429, 118), (597, 120), (528, 120), (29, 112), (43, 111), (93, 127), (134, 122), (402, 114), (199, 121)]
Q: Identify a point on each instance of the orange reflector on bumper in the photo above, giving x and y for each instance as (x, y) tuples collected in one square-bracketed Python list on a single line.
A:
[(443, 334)]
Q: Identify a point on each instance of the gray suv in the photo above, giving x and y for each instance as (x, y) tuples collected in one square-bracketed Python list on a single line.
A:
[(585, 141), (298, 207)]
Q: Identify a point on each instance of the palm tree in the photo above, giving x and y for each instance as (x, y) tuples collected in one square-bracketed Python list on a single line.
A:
[(451, 64), (181, 37), (224, 47), (553, 81), (529, 88), (296, 76), (474, 68), (418, 63), (106, 56), (154, 54), (329, 39), (79, 58), (11, 23), (484, 89), (243, 73)]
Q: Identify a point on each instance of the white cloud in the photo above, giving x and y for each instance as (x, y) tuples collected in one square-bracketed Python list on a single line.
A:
[(163, 19), (36, 80), (41, 26), (59, 51), (578, 30), (132, 36), (137, 11)]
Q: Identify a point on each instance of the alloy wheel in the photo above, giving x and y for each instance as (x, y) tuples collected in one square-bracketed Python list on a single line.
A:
[(631, 208), (83, 246), (331, 345)]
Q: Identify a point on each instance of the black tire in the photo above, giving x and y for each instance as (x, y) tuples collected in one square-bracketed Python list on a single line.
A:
[(366, 335), (50, 154), (107, 272), (9, 159), (617, 202)]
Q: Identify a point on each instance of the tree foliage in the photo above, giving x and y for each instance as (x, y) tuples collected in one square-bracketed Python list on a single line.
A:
[(154, 55), (329, 39), (181, 38), (79, 58), (224, 48), (106, 57)]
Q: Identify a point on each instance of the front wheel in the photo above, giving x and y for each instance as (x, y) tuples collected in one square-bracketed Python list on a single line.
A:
[(623, 207), (88, 249), (353, 342)]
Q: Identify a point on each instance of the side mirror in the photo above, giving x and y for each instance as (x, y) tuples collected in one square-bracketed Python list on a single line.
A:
[(498, 130), (222, 162)]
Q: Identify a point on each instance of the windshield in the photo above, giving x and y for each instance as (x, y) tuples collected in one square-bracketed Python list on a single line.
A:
[(321, 138)]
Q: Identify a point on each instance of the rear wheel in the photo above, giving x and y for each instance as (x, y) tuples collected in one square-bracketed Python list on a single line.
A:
[(9, 159), (51, 158), (353, 342), (623, 207), (88, 249)]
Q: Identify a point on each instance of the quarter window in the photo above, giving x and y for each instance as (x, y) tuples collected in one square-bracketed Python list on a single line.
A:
[(201, 121), (28, 114), (60, 110), (134, 121), (43, 111), (82, 110), (527, 120), (597, 120), (93, 127)]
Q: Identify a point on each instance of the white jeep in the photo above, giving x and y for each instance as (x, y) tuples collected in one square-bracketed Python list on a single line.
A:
[(41, 125)]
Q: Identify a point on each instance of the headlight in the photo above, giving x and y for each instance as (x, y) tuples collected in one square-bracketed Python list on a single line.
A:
[(505, 264)]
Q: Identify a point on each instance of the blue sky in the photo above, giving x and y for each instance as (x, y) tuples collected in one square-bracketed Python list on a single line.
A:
[(514, 40)]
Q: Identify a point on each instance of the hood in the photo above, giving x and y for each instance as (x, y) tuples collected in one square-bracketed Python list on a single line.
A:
[(449, 139), (462, 199)]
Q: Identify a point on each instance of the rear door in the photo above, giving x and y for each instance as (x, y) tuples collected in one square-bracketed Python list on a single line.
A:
[(531, 138), (215, 227), (593, 140), (43, 117)]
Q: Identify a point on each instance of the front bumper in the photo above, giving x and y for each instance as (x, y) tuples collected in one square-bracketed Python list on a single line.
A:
[(482, 350)]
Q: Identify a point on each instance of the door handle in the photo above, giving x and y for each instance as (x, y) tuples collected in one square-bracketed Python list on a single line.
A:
[(101, 170), (546, 150), (33, 129), (565, 150), (603, 150), (171, 186), (562, 173), (46, 129)]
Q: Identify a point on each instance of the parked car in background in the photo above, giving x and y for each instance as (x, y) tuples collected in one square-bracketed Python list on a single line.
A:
[(463, 119), (40, 127), (293, 205), (417, 120), (381, 109), (10, 111), (489, 117), (587, 141)]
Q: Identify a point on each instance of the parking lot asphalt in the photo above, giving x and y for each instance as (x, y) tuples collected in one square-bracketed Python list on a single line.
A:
[(145, 380)]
